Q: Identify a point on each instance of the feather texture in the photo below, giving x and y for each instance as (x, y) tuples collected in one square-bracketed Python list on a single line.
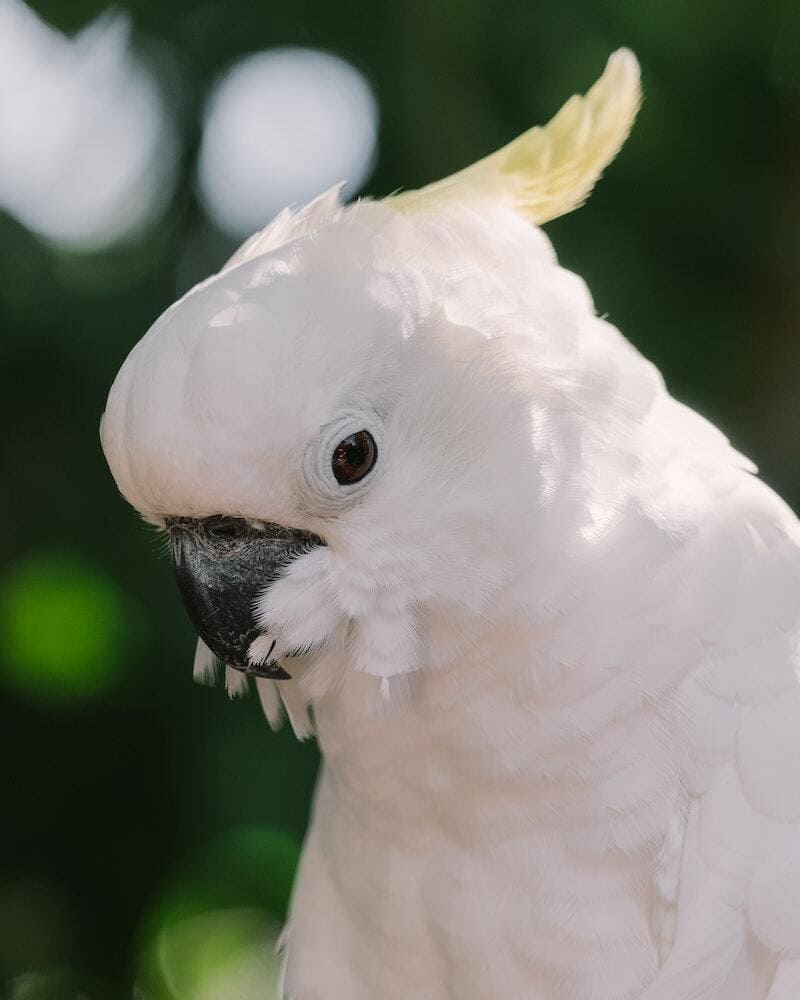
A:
[(548, 171), (206, 668), (550, 649)]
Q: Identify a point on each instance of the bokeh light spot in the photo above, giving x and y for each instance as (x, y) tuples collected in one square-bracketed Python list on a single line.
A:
[(249, 866), (212, 934), (220, 955), (87, 149), (282, 126), (63, 626), (35, 926), (56, 984)]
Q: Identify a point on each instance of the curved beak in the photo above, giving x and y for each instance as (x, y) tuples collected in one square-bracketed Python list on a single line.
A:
[(222, 566)]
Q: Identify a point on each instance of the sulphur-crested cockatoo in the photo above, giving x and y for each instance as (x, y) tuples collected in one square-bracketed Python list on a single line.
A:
[(542, 618)]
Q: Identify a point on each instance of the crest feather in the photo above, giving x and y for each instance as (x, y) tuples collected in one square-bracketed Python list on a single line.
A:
[(548, 171)]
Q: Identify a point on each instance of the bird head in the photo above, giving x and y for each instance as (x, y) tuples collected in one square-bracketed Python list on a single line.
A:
[(344, 432)]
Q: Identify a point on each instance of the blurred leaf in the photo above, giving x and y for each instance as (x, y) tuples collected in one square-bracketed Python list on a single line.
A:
[(56, 985), (63, 628), (212, 935), (218, 955), (35, 927), (247, 867)]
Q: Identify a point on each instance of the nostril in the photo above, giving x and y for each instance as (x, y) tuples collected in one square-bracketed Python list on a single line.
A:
[(226, 527), (228, 532)]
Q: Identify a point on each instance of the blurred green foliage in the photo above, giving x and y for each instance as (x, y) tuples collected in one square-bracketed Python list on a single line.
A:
[(118, 770), (64, 629), (217, 919)]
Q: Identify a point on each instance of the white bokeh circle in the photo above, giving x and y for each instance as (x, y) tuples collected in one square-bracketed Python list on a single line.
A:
[(280, 127), (87, 148)]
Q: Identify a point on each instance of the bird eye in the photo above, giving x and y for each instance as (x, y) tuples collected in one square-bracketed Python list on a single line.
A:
[(353, 458)]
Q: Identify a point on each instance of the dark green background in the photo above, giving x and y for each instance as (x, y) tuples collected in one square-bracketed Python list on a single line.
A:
[(691, 245)]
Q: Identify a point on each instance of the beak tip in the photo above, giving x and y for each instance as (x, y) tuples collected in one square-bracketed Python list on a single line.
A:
[(272, 670), (260, 662), (222, 564)]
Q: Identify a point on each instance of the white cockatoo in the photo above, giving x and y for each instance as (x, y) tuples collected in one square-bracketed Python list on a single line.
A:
[(542, 618)]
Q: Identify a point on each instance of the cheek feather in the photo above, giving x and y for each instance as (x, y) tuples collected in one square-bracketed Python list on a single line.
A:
[(388, 642), (299, 610)]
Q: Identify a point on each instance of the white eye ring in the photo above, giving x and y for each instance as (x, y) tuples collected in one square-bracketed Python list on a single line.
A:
[(317, 462)]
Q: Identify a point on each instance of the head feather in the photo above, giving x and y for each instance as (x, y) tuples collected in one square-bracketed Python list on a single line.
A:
[(548, 171)]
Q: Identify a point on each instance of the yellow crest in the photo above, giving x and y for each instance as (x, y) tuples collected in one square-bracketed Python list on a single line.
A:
[(548, 171)]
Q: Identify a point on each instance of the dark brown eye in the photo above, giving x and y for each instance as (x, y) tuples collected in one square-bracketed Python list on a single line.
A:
[(354, 457)]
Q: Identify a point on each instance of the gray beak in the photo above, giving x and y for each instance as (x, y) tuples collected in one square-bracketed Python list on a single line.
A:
[(222, 565)]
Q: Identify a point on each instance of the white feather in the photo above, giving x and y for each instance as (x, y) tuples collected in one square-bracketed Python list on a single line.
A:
[(206, 667), (270, 701), (237, 684), (584, 607)]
